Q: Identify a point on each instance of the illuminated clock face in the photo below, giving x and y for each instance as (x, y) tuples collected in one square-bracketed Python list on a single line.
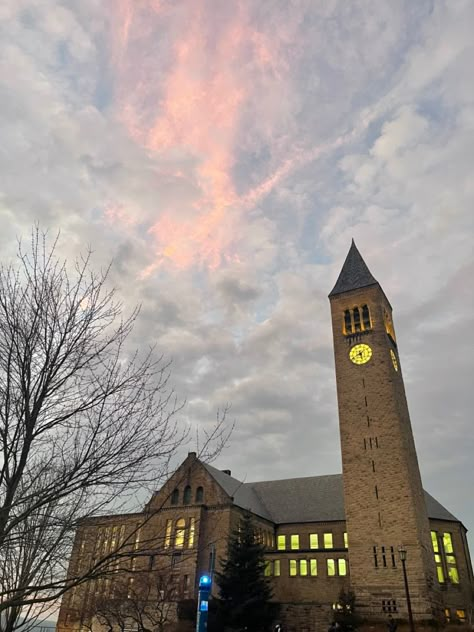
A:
[(360, 354), (394, 360)]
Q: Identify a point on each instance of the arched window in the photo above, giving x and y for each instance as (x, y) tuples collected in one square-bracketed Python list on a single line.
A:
[(199, 494), (347, 322), (187, 495), (180, 533), (356, 319), (366, 317), (175, 497)]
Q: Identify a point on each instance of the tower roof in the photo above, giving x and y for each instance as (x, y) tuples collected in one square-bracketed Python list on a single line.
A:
[(354, 274)]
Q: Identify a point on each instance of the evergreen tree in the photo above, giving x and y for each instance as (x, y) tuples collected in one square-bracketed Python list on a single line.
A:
[(245, 592)]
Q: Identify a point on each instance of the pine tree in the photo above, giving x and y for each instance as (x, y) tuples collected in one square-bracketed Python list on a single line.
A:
[(245, 592)]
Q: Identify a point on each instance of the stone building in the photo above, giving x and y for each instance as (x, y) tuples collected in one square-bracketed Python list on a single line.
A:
[(322, 533)]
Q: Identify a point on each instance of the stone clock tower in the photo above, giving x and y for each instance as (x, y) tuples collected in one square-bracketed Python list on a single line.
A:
[(384, 500)]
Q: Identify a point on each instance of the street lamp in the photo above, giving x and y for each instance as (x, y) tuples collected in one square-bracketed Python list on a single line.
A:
[(403, 558)]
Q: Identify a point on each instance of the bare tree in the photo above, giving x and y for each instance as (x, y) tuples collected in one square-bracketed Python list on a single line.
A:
[(81, 421)]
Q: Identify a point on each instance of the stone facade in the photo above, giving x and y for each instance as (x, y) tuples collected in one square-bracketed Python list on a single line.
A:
[(320, 537)]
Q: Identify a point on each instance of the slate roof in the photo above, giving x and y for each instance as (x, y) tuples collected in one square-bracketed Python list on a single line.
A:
[(308, 499), (354, 274)]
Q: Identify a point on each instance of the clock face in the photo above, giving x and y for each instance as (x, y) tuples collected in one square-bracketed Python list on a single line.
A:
[(394, 360), (360, 354)]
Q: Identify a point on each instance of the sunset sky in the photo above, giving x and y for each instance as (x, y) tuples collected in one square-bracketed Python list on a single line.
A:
[(223, 153)]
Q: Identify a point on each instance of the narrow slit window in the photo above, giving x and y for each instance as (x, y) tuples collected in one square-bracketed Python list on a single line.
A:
[(392, 553), (376, 563), (169, 526), (384, 559), (357, 326), (313, 567), (347, 322), (376, 492), (268, 568), (276, 568), (293, 568), (303, 568), (346, 540), (180, 532), (192, 530)]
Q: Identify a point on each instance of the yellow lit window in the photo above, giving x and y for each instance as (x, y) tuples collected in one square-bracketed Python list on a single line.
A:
[(303, 567), (342, 566), (447, 614), (276, 568), (440, 574), (331, 566), (294, 542), (327, 538), (192, 530), (447, 543), (313, 541), (346, 540), (281, 542), (180, 533), (268, 568), (313, 566), (434, 541), (169, 525), (461, 615), (453, 574), (293, 568)]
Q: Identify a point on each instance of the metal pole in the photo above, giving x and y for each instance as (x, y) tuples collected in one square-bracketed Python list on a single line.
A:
[(407, 592)]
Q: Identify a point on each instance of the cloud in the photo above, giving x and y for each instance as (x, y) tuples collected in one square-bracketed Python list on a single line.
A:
[(224, 155)]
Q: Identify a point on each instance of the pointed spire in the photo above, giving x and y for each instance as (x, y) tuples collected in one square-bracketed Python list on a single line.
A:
[(354, 274)]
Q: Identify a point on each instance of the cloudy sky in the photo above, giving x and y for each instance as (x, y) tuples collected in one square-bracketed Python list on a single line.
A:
[(224, 154)]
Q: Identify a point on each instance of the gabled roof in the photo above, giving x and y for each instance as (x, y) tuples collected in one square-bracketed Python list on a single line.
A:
[(308, 499), (354, 274)]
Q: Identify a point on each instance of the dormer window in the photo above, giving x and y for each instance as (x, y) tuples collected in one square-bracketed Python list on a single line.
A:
[(357, 320)]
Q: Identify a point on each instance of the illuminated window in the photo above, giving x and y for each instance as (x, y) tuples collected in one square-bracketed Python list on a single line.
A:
[(347, 322), (331, 567), (346, 540), (342, 566), (389, 325), (180, 533), (276, 568), (313, 567), (313, 541), (356, 314), (434, 541), (175, 497), (268, 568), (192, 530), (327, 539), (447, 543), (366, 317), (294, 542), (461, 615), (187, 495), (169, 526), (453, 574), (293, 568), (281, 542), (447, 615), (437, 557), (199, 495), (303, 567)]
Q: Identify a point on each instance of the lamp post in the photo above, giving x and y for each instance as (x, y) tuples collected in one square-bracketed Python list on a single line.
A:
[(403, 558)]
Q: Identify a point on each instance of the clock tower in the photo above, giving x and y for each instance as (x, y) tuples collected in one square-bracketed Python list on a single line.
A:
[(383, 495)]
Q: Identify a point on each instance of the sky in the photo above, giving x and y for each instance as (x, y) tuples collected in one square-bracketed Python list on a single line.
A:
[(223, 155)]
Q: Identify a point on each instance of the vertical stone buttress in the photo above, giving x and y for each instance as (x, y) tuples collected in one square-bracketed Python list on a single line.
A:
[(383, 494)]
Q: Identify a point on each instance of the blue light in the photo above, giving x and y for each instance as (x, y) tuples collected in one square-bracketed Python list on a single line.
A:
[(205, 579), (204, 606)]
